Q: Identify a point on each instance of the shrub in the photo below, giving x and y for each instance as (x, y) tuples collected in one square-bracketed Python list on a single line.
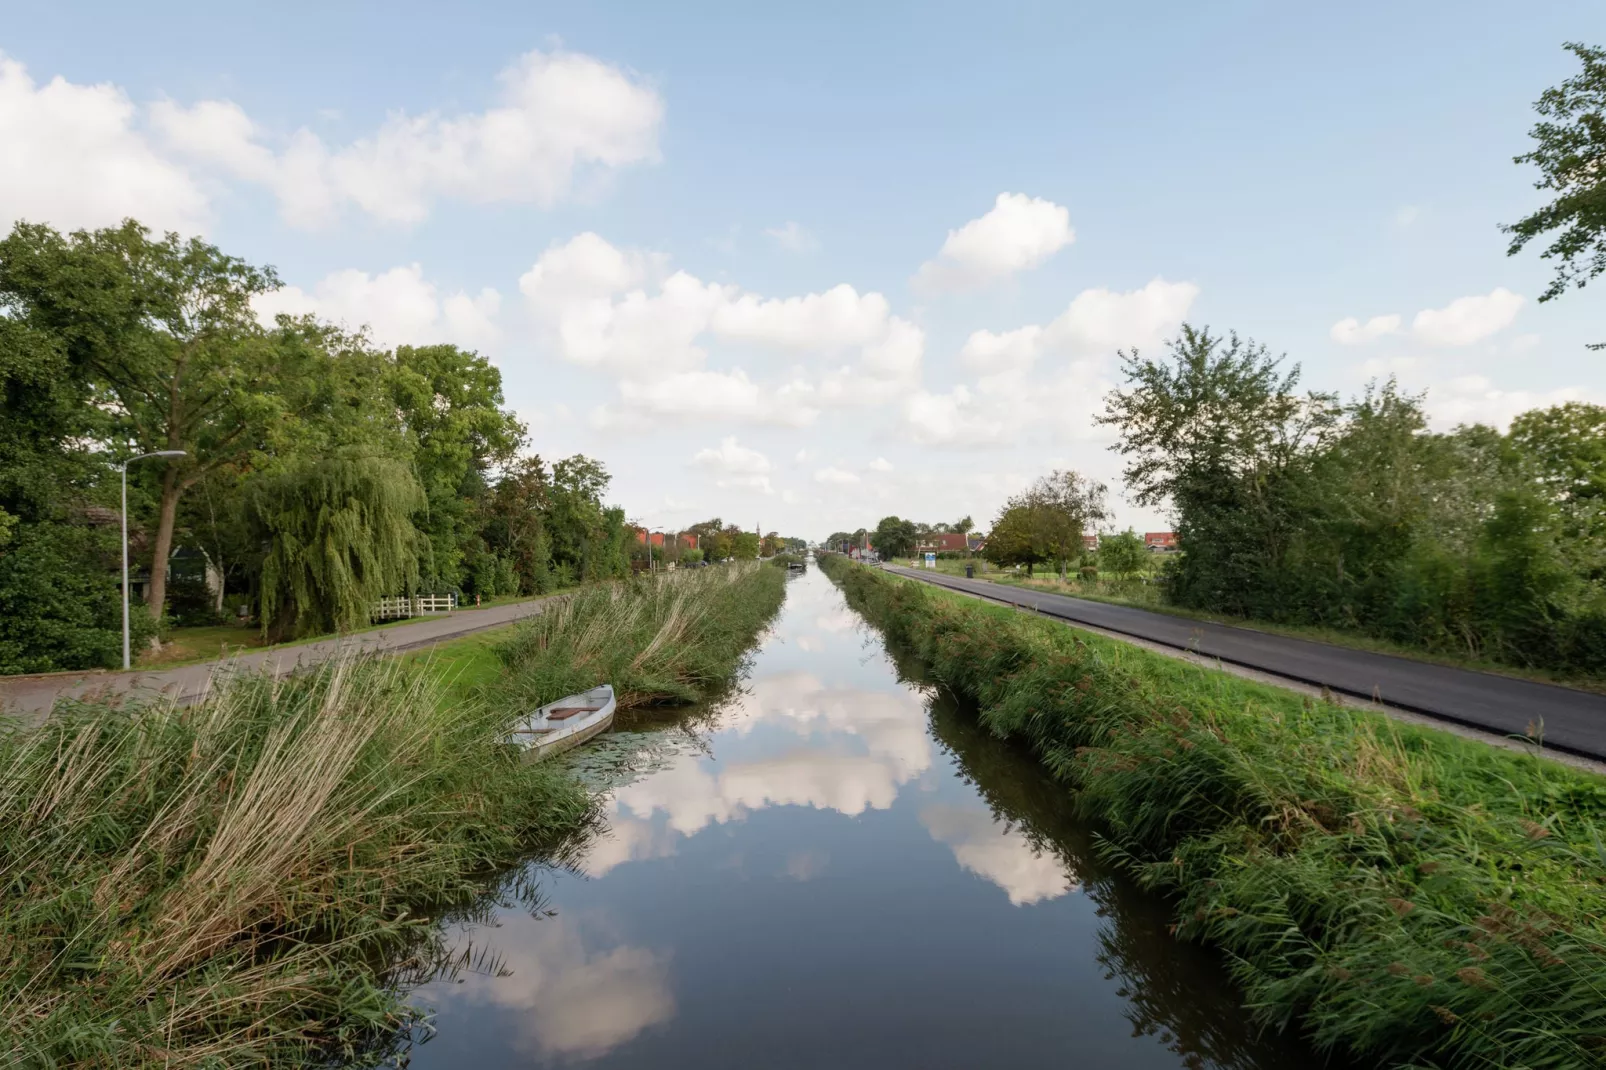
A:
[(62, 595)]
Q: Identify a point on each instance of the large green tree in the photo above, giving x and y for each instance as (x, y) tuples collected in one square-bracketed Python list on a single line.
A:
[(449, 402), (1570, 152), (894, 537), (1218, 432), (165, 337)]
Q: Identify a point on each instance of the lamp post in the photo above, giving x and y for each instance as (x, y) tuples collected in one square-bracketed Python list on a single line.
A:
[(123, 468)]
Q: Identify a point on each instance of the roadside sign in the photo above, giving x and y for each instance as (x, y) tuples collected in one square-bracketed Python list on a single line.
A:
[(931, 560)]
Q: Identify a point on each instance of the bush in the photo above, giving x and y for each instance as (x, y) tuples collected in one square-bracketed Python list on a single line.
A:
[(62, 595), (190, 602)]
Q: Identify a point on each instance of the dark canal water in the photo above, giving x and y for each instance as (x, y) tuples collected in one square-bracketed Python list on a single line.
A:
[(835, 868)]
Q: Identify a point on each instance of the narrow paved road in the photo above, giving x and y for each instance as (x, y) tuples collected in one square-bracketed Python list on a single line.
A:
[(1573, 721), (32, 696)]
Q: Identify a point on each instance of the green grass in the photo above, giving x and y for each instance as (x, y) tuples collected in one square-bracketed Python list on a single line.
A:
[(461, 669), (1151, 596), (660, 639), (1411, 896)]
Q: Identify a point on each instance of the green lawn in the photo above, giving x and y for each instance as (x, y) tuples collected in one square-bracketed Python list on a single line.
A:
[(187, 646), (461, 666)]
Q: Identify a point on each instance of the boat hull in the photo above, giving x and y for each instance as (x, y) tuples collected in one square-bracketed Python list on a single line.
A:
[(564, 724), (547, 748)]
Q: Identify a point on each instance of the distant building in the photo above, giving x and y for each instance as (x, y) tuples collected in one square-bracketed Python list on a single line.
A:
[(941, 542), (1160, 542), (976, 543), (1090, 542)]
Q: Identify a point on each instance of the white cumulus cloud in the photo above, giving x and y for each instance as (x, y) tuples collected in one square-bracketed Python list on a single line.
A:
[(1352, 332), (74, 156), (834, 475), (625, 313), (1018, 234), (558, 116), (736, 465), (1012, 393), (1467, 319), (398, 307), (1462, 322)]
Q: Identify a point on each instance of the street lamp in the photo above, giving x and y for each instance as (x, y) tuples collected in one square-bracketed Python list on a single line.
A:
[(123, 468)]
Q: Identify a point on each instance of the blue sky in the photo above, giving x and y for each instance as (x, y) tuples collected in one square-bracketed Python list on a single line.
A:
[(1276, 169)]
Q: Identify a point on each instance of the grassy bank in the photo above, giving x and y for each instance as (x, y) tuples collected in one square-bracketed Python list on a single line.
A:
[(669, 638), (1408, 895), (219, 884)]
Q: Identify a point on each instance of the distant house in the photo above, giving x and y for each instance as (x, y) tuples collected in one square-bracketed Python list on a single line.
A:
[(1090, 542), (1160, 542), (976, 543), (941, 542)]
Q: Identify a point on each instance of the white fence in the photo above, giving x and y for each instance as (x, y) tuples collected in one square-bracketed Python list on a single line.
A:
[(398, 608)]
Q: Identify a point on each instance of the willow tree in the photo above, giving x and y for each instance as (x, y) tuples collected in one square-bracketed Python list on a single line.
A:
[(340, 536)]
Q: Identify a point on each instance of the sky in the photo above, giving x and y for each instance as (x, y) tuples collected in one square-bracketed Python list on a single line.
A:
[(805, 267)]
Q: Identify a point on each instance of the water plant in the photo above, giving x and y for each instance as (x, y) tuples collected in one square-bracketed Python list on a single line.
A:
[(662, 639)]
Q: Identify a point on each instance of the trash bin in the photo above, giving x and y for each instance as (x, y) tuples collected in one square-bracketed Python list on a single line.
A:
[(970, 572)]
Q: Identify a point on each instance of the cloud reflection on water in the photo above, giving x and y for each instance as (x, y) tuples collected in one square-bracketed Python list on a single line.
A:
[(570, 1000), (1000, 853)]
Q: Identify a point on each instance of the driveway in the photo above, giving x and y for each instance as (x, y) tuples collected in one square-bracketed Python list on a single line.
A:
[(1568, 720), (32, 696)]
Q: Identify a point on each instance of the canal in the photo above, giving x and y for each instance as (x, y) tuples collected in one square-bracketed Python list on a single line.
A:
[(833, 868)]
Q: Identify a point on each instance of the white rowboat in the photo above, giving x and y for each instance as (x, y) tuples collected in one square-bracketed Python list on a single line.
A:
[(566, 723)]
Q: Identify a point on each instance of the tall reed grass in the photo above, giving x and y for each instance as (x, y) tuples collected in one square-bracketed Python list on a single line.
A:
[(232, 883), (664, 639), (1410, 896)]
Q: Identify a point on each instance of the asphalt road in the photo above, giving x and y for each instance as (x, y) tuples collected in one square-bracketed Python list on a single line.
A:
[(1573, 721), (32, 696)]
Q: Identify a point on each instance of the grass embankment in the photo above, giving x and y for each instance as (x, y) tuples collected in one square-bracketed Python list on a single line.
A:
[(223, 884), (1414, 897), (1146, 593), (673, 638)]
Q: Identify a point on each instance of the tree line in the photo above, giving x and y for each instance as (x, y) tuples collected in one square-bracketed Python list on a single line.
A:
[(1304, 508), (319, 473)]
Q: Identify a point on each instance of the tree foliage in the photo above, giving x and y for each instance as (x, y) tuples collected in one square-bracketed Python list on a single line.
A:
[(341, 537), (1298, 508), (320, 472), (1570, 152), (1122, 553), (894, 537), (1046, 521)]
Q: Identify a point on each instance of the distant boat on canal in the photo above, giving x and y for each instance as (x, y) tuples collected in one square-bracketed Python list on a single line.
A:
[(564, 724)]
